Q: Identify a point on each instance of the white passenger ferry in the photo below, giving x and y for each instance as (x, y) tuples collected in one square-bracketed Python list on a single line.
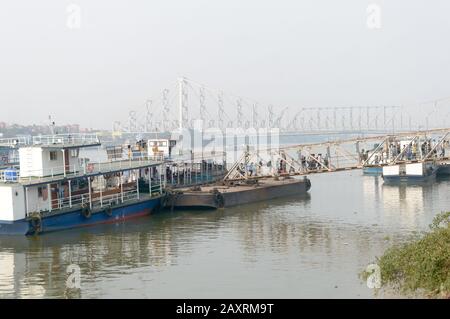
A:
[(52, 188)]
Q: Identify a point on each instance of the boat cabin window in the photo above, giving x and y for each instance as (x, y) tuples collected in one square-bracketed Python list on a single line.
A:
[(53, 155), (157, 143), (74, 152)]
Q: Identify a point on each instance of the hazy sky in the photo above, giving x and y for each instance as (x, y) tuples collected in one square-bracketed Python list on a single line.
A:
[(315, 53)]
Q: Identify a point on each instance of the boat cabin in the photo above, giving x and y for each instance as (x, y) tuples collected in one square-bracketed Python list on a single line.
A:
[(37, 182), (40, 161), (161, 148)]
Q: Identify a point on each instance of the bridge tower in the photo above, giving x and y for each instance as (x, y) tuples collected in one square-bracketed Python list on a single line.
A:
[(202, 105), (148, 116), (255, 115), (221, 113), (182, 101), (166, 110), (240, 114)]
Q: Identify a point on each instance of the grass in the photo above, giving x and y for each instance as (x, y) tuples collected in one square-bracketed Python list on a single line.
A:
[(422, 265)]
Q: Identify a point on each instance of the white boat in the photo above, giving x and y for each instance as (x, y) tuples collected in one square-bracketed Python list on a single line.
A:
[(54, 189), (417, 172)]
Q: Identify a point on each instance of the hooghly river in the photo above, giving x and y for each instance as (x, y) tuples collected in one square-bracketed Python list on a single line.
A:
[(313, 246)]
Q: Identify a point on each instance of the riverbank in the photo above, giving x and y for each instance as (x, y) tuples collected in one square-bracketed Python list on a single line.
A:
[(421, 266)]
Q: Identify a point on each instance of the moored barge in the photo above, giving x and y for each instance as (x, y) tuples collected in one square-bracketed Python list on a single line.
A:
[(222, 195)]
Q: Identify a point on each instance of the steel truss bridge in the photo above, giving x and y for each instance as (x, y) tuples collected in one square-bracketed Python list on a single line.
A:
[(189, 101)]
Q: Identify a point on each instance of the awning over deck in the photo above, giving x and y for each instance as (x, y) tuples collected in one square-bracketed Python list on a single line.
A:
[(91, 169)]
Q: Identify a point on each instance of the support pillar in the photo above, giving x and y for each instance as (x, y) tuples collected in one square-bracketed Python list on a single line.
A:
[(101, 196), (70, 193), (150, 181), (64, 161), (121, 187), (26, 202), (137, 185), (49, 191), (160, 179), (90, 193)]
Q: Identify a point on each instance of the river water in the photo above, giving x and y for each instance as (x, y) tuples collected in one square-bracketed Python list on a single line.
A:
[(302, 247)]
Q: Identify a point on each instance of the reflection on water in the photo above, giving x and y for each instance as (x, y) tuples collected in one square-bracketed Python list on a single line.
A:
[(313, 246)]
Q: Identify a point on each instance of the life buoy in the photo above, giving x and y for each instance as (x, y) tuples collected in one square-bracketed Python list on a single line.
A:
[(86, 212), (308, 184)]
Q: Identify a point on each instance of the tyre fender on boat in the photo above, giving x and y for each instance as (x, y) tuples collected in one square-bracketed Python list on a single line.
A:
[(86, 212), (109, 211), (36, 223), (308, 184), (165, 200), (219, 199)]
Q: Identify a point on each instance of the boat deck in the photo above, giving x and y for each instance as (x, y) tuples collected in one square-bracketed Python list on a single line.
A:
[(218, 196), (239, 187)]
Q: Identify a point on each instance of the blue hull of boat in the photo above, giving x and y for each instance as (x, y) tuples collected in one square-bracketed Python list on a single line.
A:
[(411, 179), (375, 171), (444, 170), (73, 219)]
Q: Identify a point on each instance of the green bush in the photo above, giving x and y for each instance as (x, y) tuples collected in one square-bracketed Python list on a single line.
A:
[(422, 265)]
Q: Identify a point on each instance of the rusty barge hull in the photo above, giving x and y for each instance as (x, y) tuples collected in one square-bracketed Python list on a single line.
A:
[(220, 196)]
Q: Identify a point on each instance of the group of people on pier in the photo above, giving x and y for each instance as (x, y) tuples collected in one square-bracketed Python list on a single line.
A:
[(314, 162), (415, 150)]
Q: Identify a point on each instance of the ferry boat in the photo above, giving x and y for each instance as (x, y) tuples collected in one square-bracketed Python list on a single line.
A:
[(53, 188), (417, 172)]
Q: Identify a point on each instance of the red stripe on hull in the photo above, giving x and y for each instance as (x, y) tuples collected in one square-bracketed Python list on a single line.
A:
[(120, 219)]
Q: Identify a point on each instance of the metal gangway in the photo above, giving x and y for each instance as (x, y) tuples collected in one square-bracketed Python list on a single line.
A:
[(340, 155)]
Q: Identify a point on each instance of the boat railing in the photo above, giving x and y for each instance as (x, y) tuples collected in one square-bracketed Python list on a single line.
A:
[(14, 141), (134, 155), (9, 175), (183, 157), (197, 156), (114, 199), (83, 200), (66, 139), (88, 168)]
